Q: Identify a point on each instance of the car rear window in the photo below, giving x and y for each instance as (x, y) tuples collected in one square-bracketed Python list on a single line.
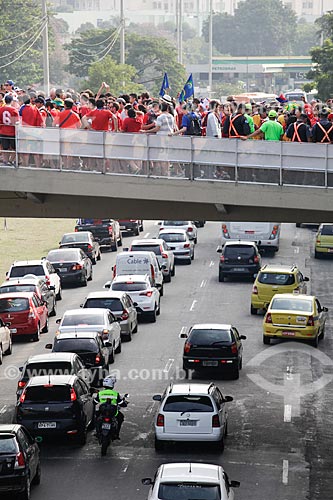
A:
[(8, 444), (276, 279), (94, 222), (48, 368), (146, 248), (327, 230), (209, 336), (192, 403), (104, 302), (242, 250), (84, 319), (19, 271), (47, 394), (172, 237), (175, 222), (14, 305), (63, 256), (79, 346), (189, 491), (17, 288), (129, 287), (75, 238), (291, 304)]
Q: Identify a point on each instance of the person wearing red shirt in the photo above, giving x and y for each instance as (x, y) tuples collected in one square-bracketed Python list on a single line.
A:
[(131, 124), (100, 119), (115, 109), (9, 116), (67, 119), (30, 116)]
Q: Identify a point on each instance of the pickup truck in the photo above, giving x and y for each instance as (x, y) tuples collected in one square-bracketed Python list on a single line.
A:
[(133, 226), (106, 232)]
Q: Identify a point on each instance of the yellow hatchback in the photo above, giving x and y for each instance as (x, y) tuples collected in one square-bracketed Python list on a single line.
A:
[(275, 279), (324, 240), (293, 316)]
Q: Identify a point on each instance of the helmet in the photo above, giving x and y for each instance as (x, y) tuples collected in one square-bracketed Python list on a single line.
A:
[(110, 381)]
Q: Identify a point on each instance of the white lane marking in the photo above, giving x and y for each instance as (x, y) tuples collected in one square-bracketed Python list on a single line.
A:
[(182, 330), (203, 283), (212, 263), (296, 250), (146, 235), (124, 469), (193, 305), (168, 365), (287, 413), (285, 471), (3, 409)]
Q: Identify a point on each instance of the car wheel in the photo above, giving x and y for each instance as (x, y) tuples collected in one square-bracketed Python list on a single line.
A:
[(186, 372), (91, 275), (46, 327), (127, 337), (118, 350), (167, 278), (317, 255), (162, 291), (36, 336), (266, 340), (322, 334), (82, 436), (254, 310), (120, 242), (99, 256), (59, 294), (226, 429), (54, 308), (235, 372), (219, 445), (158, 311), (315, 341), (195, 241), (111, 357), (192, 258), (298, 224), (173, 272), (135, 329), (241, 364), (37, 478), (84, 281), (93, 261), (26, 493), (10, 347), (141, 227), (1, 355), (159, 445), (221, 277), (152, 316), (136, 231), (114, 246)]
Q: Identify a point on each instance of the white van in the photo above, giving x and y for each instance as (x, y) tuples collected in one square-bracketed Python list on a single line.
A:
[(140, 263), (265, 234)]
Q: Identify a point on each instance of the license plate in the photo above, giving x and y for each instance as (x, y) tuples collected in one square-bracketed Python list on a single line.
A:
[(122, 228), (235, 269), (13, 330), (210, 363), (47, 425), (63, 269), (172, 248), (289, 334), (187, 423), (330, 250), (106, 426)]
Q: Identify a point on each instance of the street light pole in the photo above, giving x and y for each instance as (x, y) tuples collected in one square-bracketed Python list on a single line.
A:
[(210, 56), (122, 33), (46, 65), (180, 46)]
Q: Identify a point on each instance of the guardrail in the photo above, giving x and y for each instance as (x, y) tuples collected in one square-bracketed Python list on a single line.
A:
[(193, 158)]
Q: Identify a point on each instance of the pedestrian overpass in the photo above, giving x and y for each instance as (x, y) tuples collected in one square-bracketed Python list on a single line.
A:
[(80, 173)]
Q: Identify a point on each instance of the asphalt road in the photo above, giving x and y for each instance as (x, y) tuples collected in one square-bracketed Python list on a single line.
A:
[(280, 431)]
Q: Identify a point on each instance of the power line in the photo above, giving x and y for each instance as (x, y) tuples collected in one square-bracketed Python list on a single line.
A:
[(115, 34), (108, 49), (24, 45), (24, 32), (26, 50), (98, 43)]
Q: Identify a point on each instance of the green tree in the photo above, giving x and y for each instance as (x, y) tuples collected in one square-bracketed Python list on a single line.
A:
[(258, 28), (307, 37), (322, 74), (120, 77)]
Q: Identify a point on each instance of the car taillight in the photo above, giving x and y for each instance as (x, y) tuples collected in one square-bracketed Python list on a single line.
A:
[(22, 397), (152, 272), (19, 461), (254, 290), (77, 267), (187, 347), (165, 255), (47, 280), (90, 247), (256, 259), (216, 421), (31, 314), (147, 294), (106, 419), (97, 359), (161, 228), (73, 394), (21, 384), (222, 258), (318, 240), (234, 348), (187, 245), (110, 230), (76, 230), (125, 315), (160, 420), (114, 270), (189, 229), (268, 318), (310, 321)]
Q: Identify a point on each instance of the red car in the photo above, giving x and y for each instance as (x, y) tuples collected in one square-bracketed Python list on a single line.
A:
[(26, 313)]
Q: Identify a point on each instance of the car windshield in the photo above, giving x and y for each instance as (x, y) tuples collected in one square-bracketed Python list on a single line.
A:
[(19, 271), (48, 368), (184, 403), (63, 256), (105, 303), (291, 304), (17, 288), (129, 287), (276, 278), (189, 491), (146, 248), (209, 336), (76, 345), (327, 230), (172, 237), (47, 393), (241, 250), (82, 319), (175, 222), (7, 444), (75, 238), (13, 305)]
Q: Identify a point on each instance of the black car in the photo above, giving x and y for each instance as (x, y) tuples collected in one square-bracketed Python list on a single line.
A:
[(132, 226), (84, 240), (239, 258), (19, 461), (66, 363), (89, 347), (56, 405), (213, 346), (105, 231), (72, 265)]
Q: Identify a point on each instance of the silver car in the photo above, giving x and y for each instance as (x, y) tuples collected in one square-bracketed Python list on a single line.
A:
[(163, 253), (179, 242), (187, 225), (121, 305)]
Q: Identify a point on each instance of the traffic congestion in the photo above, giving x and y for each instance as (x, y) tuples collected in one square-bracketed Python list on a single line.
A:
[(207, 330)]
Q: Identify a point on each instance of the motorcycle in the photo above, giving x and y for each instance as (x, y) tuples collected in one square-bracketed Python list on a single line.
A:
[(107, 423)]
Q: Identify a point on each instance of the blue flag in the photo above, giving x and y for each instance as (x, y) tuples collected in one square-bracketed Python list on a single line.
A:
[(188, 90), (165, 85)]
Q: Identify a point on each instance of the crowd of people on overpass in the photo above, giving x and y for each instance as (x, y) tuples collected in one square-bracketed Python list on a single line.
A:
[(131, 113)]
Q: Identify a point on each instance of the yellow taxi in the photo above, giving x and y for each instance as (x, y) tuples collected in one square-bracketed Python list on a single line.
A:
[(324, 240), (294, 316), (276, 279)]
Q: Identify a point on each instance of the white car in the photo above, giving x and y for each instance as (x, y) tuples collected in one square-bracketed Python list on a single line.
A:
[(188, 225), (180, 244), (191, 412), (146, 297), (187, 481), (94, 319), (163, 254), (41, 268), (5, 340)]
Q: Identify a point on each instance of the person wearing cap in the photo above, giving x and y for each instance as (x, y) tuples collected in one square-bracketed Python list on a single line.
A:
[(67, 118), (58, 104), (271, 130), (40, 105), (322, 131)]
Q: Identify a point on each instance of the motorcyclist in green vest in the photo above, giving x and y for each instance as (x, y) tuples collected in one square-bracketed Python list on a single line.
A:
[(109, 395)]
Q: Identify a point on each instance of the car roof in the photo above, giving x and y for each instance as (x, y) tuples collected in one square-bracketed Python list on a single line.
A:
[(188, 471), (276, 268), (135, 252), (131, 278), (52, 379), (9, 428), (52, 356), (300, 296), (146, 241), (14, 295), (75, 233), (172, 231), (211, 326), (28, 262), (105, 294), (77, 335), (22, 281), (240, 242), (190, 388), (85, 311), (181, 220), (67, 249)]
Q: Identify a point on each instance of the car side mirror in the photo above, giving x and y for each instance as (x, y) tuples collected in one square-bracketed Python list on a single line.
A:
[(159, 223), (112, 268), (58, 321), (219, 249), (242, 337), (259, 243), (157, 397), (135, 304), (325, 309), (52, 287), (125, 249), (20, 368), (81, 305), (306, 278), (147, 481), (183, 335), (8, 323), (48, 346), (107, 284), (228, 399), (234, 484), (7, 273), (107, 344), (164, 267)]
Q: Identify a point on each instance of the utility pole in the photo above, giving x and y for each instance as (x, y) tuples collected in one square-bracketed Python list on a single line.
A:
[(180, 47), (122, 33), (321, 14), (210, 56), (177, 28), (46, 66)]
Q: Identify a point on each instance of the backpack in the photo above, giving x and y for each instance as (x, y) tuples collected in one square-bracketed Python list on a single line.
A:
[(194, 127), (49, 119)]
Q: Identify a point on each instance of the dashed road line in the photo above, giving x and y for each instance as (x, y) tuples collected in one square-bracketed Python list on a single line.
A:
[(146, 235), (203, 284), (212, 263), (168, 365), (285, 471), (3, 409), (296, 250), (287, 413), (193, 305), (182, 330)]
